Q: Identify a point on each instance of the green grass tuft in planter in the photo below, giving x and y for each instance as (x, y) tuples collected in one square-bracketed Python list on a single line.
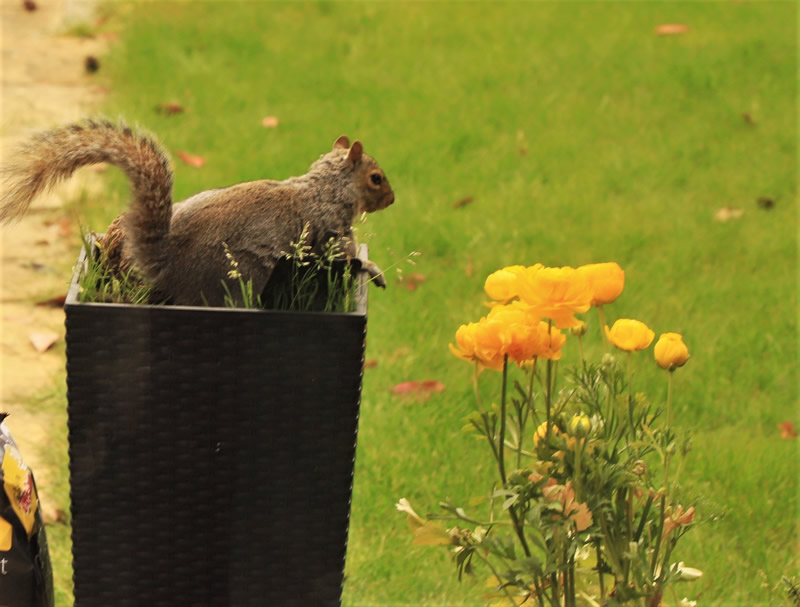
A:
[(301, 281)]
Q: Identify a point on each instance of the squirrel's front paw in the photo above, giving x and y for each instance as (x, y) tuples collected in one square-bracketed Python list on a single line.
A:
[(375, 274)]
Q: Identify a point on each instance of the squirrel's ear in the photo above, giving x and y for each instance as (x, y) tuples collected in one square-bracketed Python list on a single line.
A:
[(355, 152), (343, 142)]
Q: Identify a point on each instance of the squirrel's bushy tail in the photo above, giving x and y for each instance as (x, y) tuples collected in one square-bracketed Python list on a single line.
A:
[(54, 155)]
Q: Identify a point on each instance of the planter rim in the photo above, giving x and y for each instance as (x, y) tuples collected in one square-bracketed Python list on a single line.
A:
[(74, 289)]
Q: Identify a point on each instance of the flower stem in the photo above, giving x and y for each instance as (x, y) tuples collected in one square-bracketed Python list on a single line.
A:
[(578, 458), (502, 437), (602, 318), (547, 399), (600, 574), (659, 533), (613, 559), (475, 386), (496, 575), (669, 399), (519, 531), (630, 395), (528, 411), (629, 523)]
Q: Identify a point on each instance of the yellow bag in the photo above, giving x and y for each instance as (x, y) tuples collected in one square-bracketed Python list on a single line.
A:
[(26, 578)]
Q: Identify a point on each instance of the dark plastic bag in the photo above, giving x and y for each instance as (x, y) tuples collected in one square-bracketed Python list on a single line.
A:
[(26, 577)]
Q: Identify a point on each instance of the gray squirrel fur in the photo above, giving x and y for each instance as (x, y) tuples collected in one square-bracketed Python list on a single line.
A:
[(178, 249)]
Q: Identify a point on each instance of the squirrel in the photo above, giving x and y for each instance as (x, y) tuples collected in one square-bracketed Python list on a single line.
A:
[(180, 250)]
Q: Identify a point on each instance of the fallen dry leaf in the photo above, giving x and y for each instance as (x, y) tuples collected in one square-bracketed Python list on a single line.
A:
[(728, 213), (269, 122), (463, 202), (522, 142), (52, 515), (53, 302), (43, 340), (671, 29), (765, 202), (369, 364), (22, 320), (65, 227), (748, 118), (787, 430), (421, 390), (412, 281), (92, 64), (192, 161), (29, 5), (170, 108), (35, 266)]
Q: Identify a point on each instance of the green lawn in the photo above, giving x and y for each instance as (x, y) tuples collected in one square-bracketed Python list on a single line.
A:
[(582, 136)]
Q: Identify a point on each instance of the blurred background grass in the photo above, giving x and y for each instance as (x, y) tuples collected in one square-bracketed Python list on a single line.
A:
[(581, 136)]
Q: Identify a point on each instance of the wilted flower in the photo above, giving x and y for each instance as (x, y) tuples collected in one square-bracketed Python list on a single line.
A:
[(678, 518), (426, 533), (630, 335), (415, 521), (606, 280), (578, 512), (670, 351), (688, 573), (556, 293)]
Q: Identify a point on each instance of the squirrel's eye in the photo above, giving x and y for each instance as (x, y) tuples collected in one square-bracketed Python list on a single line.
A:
[(376, 178)]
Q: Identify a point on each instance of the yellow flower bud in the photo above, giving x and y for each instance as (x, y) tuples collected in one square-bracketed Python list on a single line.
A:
[(630, 335), (579, 426), (541, 433), (578, 330), (670, 351)]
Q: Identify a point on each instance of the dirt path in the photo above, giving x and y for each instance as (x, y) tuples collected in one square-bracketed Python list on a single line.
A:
[(44, 83)]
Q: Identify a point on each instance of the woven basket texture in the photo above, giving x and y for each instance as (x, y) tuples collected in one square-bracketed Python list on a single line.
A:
[(211, 453)]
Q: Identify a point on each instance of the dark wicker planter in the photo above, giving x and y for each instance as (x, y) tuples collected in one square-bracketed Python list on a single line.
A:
[(211, 453)]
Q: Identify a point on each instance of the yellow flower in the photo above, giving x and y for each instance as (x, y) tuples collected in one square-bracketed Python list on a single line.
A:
[(670, 351), (630, 335), (517, 326), (502, 285), (483, 342), (607, 280), (556, 293), (550, 341)]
